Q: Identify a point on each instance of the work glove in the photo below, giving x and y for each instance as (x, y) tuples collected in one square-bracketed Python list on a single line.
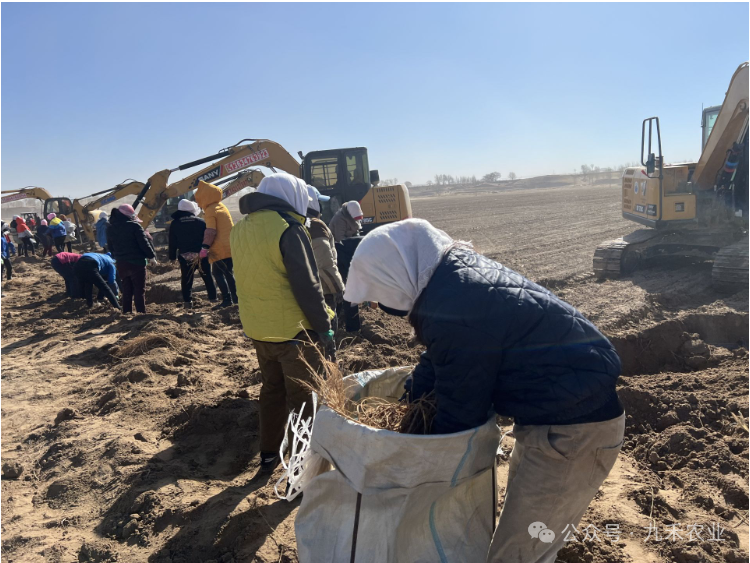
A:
[(203, 253), (329, 346)]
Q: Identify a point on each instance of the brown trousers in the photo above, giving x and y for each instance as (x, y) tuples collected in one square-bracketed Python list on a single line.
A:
[(554, 473), (282, 371)]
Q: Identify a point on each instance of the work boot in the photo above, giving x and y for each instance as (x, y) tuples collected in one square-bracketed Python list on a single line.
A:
[(268, 461), (188, 305), (235, 299)]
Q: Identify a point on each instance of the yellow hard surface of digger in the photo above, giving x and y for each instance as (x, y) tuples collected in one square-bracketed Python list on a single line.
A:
[(343, 174), (30, 192), (695, 210)]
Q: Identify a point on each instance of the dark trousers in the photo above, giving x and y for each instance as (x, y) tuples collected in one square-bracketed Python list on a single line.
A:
[(187, 272), (8, 267), (87, 272), (69, 244), (282, 373), (46, 245), (133, 278), (351, 316), (67, 271), (223, 271), (60, 243), (26, 246)]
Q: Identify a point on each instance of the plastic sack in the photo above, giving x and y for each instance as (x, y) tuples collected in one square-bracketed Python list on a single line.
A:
[(395, 497)]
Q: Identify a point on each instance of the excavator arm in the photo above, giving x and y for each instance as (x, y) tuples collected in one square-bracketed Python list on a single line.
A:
[(260, 152), (82, 212), (30, 192), (245, 179), (729, 128)]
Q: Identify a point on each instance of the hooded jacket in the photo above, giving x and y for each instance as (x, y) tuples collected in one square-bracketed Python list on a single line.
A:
[(324, 249), (56, 228), (185, 233), (127, 240), (217, 217), (101, 231), (21, 225), (277, 279), (342, 225)]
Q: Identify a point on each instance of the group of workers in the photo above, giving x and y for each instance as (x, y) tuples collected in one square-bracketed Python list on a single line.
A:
[(495, 342)]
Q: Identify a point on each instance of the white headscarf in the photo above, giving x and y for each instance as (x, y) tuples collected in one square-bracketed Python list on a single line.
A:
[(354, 209), (103, 215), (287, 187), (394, 263), (188, 206), (314, 203)]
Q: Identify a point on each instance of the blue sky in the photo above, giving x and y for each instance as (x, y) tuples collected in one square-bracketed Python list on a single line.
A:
[(96, 93)]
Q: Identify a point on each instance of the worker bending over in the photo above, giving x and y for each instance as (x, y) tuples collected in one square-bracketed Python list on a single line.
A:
[(94, 269), (64, 263), (347, 221), (282, 308), (497, 341)]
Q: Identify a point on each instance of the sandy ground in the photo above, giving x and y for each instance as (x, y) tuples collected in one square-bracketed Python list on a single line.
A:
[(151, 454)]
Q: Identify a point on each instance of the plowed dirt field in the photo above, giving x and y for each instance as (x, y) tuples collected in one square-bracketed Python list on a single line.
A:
[(121, 453)]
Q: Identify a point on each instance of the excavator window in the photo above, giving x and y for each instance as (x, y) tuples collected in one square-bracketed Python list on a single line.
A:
[(324, 172), (356, 168), (709, 118)]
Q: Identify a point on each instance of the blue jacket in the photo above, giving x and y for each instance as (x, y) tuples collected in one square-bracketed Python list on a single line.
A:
[(101, 231), (5, 248), (106, 265), (497, 341), (56, 230)]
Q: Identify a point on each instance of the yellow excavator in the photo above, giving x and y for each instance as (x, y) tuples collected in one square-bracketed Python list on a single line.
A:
[(29, 192), (697, 210), (86, 214), (343, 174)]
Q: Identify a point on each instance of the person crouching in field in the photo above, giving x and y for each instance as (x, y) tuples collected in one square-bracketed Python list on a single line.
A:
[(347, 221), (497, 341), (282, 308), (64, 264), (94, 269), (185, 239), (324, 249), (132, 249), (216, 245)]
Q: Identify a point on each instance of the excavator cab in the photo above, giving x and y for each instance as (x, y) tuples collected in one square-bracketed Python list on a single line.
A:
[(342, 174), (58, 205)]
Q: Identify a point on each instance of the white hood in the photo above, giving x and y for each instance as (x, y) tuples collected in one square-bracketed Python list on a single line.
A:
[(287, 187), (394, 263)]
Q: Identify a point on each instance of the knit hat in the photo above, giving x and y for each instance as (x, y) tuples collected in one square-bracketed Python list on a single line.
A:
[(127, 210), (44, 222), (354, 210), (51, 216), (15, 217)]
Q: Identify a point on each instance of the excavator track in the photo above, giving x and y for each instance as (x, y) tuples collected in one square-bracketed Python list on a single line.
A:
[(618, 257), (730, 270)]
